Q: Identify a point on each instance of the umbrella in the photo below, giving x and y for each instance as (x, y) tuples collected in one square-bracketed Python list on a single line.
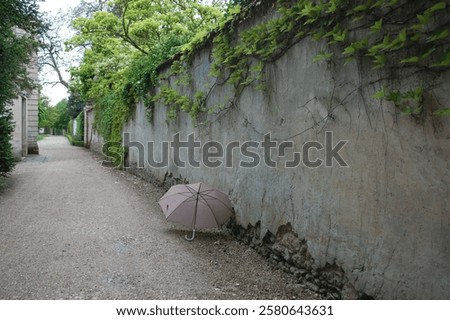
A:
[(196, 206)]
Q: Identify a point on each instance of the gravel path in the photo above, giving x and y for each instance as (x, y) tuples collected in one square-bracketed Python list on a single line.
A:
[(72, 229)]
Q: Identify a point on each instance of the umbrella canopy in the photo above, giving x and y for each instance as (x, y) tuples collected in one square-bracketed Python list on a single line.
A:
[(197, 206)]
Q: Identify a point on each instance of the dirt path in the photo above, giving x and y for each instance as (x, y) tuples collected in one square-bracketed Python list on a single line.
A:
[(72, 229)]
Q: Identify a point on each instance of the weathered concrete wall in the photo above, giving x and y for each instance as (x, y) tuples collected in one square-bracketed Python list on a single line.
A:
[(384, 221)]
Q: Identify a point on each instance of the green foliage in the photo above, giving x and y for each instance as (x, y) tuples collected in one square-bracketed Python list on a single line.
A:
[(6, 154), (177, 102), (80, 127), (76, 138), (16, 49), (45, 119), (124, 46), (381, 30), (55, 118)]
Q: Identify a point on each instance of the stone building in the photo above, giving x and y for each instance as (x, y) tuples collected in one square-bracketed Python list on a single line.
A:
[(25, 113)]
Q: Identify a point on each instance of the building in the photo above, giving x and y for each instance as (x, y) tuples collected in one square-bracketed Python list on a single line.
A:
[(25, 114)]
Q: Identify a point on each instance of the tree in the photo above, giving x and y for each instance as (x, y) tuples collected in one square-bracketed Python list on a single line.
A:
[(19, 25), (62, 117), (123, 44), (53, 119), (53, 57)]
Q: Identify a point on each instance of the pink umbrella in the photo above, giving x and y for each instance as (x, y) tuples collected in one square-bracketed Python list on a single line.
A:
[(196, 205)]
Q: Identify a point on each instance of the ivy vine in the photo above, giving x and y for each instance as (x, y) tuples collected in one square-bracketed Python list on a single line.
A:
[(391, 33)]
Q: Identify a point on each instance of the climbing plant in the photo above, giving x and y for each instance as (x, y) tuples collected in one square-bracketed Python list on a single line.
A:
[(391, 34)]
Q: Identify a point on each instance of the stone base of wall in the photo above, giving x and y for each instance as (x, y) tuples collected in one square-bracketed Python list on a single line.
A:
[(290, 254)]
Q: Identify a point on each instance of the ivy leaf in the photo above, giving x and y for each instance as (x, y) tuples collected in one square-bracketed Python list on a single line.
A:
[(444, 62), (339, 36), (349, 50), (380, 94), (378, 3), (436, 7), (322, 56), (414, 59), (394, 96), (331, 7), (423, 19), (402, 35), (348, 60), (428, 53), (377, 26), (355, 46), (442, 112), (379, 61), (412, 111), (436, 37), (361, 7)]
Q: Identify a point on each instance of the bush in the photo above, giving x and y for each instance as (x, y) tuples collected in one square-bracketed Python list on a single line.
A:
[(6, 154)]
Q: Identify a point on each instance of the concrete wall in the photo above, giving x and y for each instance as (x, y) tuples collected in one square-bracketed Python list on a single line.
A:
[(383, 221)]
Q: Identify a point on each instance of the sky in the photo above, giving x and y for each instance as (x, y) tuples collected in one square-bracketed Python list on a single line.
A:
[(57, 92)]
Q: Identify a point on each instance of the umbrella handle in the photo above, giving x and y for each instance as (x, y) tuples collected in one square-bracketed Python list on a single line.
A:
[(191, 238)]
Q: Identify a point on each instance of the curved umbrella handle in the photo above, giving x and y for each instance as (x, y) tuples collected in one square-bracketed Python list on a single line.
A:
[(191, 238)]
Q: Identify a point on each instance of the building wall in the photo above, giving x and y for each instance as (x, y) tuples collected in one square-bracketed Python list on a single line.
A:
[(25, 114)]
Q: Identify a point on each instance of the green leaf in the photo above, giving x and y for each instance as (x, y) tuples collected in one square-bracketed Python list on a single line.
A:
[(402, 35), (361, 7), (349, 50), (379, 61), (442, 112), (444, 62), (428, 53), (377, 26), (380, 94), (436, 7), (322, 56), (340, 36), (394, 96), (439, 36), (414, 59), (348, 60), (423, 19)]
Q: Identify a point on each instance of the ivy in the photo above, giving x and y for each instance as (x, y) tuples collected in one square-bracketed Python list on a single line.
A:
[(177, 102), (388, 32)]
